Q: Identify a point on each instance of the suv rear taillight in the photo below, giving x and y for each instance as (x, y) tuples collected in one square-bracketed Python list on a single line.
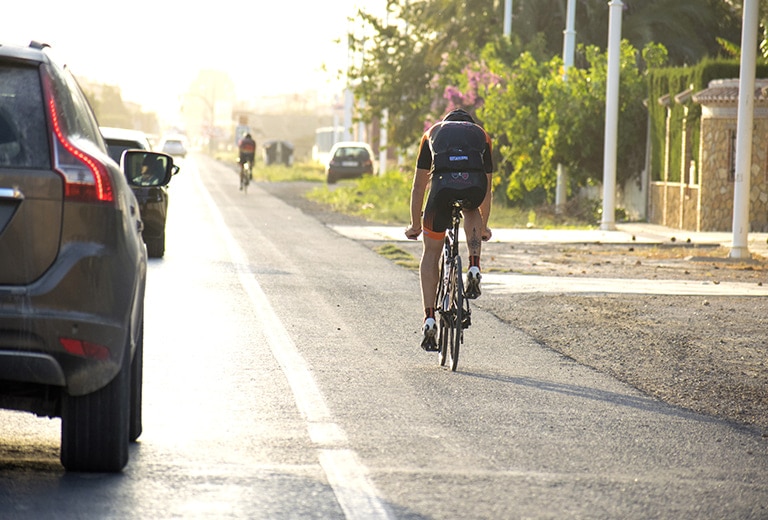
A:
[(86, 179)]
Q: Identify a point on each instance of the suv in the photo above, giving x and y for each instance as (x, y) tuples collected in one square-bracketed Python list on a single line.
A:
[(72, 264), (153, 199)]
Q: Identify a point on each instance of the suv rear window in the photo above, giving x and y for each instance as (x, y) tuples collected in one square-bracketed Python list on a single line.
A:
[(23, 134)]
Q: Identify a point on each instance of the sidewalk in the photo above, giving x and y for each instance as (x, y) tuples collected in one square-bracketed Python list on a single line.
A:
[(757, 242), (625, 234), (637, 233)]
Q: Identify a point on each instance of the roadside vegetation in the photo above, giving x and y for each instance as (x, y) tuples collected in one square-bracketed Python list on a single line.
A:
[(385, 198)]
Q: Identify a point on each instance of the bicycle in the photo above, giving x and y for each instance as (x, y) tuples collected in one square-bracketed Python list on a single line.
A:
[(245, 176), (450, 302)]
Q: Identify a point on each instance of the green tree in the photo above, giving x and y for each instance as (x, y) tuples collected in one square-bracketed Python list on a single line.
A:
[(112, 110), (510, 115), (732, 46), (540, 121), (406, 60), (688, 29)]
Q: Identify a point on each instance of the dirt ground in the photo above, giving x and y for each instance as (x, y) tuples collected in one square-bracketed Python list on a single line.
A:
[(707, 354)]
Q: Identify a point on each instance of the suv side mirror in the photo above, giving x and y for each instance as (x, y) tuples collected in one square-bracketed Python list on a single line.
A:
[(143, 168)]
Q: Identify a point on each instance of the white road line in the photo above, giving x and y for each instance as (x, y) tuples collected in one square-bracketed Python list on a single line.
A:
[(347, 476)]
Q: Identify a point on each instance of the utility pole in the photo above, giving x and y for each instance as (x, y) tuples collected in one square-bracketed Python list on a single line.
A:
[(508, 18), (569, 44), (745, 116), (608, 222), (383, 136), (569, 37)]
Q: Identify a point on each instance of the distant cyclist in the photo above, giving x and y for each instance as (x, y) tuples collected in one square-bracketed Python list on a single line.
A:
[(247, 147), (455, 162)]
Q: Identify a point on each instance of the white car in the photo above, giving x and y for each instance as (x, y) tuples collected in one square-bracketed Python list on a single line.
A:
[(174, 145)]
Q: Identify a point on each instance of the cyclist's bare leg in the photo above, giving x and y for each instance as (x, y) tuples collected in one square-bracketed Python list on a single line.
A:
[(473, 227), (429, 277), (428, 270)]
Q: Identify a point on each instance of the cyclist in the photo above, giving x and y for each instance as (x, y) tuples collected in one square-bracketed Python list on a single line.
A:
[(247, 147), (455, 162)]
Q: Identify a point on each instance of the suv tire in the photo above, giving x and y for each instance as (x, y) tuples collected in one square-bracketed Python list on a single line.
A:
[(137, 377), (156, 246), (94, 427)]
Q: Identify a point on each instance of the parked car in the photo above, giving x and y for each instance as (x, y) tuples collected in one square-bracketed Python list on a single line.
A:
[(174, 145), (349, 160), (72, 264), (153, 199)]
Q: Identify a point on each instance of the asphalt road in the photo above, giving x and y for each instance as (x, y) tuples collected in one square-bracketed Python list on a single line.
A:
[(283, 379)]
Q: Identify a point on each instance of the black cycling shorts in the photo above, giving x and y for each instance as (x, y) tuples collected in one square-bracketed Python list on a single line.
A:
[(470, 188), (247, 157)]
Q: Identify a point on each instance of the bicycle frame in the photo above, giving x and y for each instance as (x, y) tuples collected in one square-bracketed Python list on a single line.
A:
[(451, 250), (451, 304), (245, 175)]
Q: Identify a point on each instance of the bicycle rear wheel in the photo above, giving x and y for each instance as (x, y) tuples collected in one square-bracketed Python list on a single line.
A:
[(457, 309)]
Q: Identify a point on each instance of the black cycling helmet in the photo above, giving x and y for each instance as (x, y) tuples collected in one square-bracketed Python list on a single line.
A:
[(458, 115)]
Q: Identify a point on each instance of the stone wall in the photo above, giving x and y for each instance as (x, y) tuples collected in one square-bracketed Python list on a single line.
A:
[(716, 159), (704, 202), (681, 199)]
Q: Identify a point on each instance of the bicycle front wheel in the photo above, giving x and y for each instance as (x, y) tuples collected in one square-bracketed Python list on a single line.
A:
[(457, 309), (443, 323)]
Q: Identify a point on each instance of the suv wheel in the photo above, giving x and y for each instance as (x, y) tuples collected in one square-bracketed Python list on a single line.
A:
[(94, 427), (137, 376), (156, 246)]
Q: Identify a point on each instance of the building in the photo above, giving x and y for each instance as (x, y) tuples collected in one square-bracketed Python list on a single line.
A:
[(702, 198)]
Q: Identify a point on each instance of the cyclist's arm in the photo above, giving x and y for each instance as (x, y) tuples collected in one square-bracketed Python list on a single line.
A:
[(419, 188), (485, 208)]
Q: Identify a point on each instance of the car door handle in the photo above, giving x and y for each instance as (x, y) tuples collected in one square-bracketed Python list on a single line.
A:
[(11, 193)]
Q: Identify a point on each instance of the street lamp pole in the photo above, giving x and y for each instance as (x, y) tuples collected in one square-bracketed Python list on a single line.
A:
[(741, 184), (569, 44), (608, 222), (508, 18)]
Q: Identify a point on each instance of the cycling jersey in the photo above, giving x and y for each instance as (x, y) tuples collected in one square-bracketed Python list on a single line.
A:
[(247, 148), (247, 145), (458, 157)]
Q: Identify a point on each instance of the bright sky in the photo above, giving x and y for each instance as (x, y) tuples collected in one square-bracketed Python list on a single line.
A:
[(153, 49)]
